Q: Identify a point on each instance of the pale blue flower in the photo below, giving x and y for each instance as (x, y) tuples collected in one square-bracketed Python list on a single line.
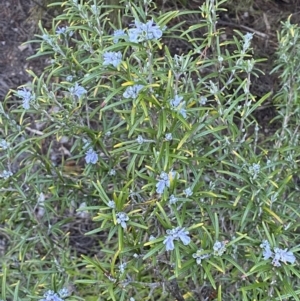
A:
[(169, 242), (132, 91), (255, 168), (177, 233), (69, 78), (51, 296), (4, 144), (199, 256), (112, 58), (112, 172), (247, 41), (175, 102), (122, 267), (182, 234), (118, 34), (285, 255), (203, 100), (219, 248), (173, 200), (140, 139), (177, 105), (152, 237), (133, 35), (108, 134), (64, 292), (188, 192), (265, 244), (169, 137), (26, 96), (144, 31), (111, 204), (182, 111), (91, 156), (61, 30), (162, 182), (6, 174), (77, 90), (267, 253), (122, 218)]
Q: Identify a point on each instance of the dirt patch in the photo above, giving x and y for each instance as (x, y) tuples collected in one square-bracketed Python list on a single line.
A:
[(17, 26)]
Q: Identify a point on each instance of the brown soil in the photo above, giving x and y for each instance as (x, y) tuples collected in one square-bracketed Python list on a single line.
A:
[(17, 25)]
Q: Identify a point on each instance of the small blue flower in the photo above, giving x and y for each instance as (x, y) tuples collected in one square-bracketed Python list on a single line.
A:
[(51, 296), (64, 292), (26, 96), (169, 137), (182, 234), (112, 172), (118, 34), (132, 91), (162, 182), (4, 144), (140, 139), (175, 102), (177, 233), (284, 256), (279, 255), (122, 267), (69, 78), (61, 30), (247, 41), (188, 192), (219, 248), (255, 168), (173, 200), (267, 253), (199, 256), (182, 111), (122, 218), (77, 90), (91, 156), (178, 106), (203, 100), (112, 58), (152, 237), (144, 31), (169, 242), (111, 204), (6, 174)]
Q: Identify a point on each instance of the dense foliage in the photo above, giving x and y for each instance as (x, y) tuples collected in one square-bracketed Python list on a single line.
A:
[(132, 170)]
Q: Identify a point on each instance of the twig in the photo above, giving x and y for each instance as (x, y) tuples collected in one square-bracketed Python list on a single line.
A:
[(34, 131), (256, 32)]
